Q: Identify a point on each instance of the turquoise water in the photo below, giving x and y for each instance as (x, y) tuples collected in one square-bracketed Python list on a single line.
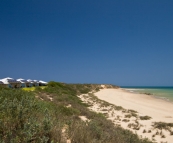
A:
[(165, 93)]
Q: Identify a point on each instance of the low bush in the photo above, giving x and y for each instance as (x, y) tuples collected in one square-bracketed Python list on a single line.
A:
[(162, 125), (125, 120), (128, 116), (23, 118), (132, 111), (145, 117)]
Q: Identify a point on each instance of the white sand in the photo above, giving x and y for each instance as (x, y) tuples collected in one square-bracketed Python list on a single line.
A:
[(158, 109)]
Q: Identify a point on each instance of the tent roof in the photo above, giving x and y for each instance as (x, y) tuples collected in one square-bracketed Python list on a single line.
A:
[(42, 82), (22, 80), (9, 80)]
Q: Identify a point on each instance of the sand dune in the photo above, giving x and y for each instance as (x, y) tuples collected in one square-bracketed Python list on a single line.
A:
[(159, 111)]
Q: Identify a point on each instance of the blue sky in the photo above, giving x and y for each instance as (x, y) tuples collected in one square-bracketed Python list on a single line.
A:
[(120, 42)]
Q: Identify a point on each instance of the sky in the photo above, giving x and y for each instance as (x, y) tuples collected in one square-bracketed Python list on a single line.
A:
[(121, 42)]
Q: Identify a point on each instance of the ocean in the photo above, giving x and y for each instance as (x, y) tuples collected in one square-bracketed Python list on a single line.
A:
[(165, 93)]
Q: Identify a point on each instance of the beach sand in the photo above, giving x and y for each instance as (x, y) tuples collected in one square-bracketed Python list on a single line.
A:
[(158, 109)]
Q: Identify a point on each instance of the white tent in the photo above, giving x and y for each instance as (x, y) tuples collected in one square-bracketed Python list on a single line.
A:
[(23, 82), (42, 83), (10, 82), (6, 80)]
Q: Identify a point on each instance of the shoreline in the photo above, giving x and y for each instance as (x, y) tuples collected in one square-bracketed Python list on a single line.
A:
[(126, 116), (149, 94)]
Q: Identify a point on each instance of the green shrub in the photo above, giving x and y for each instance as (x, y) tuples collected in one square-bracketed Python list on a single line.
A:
[(68, 111), (23, 118)]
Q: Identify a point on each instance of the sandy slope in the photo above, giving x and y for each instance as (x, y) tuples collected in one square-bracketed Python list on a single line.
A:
[(158, 109)]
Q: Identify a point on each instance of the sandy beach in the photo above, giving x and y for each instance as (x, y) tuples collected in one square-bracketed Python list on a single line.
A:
[(158, 109), (145, 105)]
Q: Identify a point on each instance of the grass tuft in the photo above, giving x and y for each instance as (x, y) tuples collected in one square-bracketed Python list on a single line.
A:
[(145, 117)]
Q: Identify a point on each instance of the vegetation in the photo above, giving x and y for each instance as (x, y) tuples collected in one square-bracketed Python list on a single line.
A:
[(162, 125), (125, 120), (44, 116), (132, 114), (145, 117), (32, 88), (128, 116), (29, 88), (134, 126), (132, 111), (144, 131), (23, 118)]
